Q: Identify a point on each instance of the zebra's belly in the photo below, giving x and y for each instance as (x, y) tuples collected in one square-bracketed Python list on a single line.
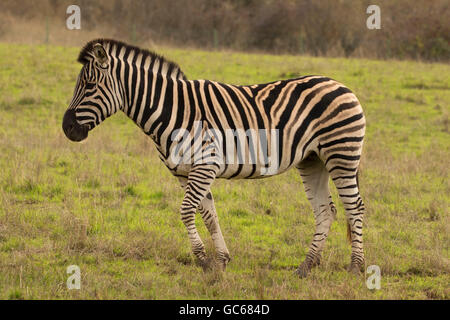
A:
[(249, 171), (235, 171)]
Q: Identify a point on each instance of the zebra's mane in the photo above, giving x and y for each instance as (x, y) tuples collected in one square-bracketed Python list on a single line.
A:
[(87, 52)]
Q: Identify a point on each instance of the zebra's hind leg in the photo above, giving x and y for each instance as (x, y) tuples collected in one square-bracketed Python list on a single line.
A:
[(347, 186), (211, 220), (344, 173), (315, 180)]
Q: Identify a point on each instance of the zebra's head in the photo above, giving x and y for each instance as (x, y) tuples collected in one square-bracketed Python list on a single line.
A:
[(96, 95)]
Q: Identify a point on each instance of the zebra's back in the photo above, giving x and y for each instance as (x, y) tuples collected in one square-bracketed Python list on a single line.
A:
[(278, 124)]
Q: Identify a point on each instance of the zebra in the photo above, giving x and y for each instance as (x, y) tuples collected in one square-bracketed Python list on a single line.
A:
[(319, 128)]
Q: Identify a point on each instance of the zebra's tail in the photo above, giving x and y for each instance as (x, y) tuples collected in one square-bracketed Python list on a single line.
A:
[(349, 231), (349, 234)]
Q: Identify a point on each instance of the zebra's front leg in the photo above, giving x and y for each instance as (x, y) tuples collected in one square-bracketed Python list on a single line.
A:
[(211, 220), (196, 187)]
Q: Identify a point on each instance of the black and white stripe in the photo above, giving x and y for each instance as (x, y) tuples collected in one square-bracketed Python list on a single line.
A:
[(319, 125)]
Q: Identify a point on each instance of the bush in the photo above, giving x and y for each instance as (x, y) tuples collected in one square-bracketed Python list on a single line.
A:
[(327, 27)]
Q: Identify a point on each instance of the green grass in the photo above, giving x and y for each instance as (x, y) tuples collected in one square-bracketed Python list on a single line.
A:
[(111, 207)]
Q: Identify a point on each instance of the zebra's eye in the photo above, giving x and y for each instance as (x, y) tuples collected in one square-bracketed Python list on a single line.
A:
[(90, 85)]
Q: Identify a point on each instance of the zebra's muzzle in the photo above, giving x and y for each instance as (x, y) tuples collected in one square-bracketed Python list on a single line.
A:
[(72, 129)]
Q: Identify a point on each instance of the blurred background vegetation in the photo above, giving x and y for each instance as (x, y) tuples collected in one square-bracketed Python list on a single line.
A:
[(417, 29)]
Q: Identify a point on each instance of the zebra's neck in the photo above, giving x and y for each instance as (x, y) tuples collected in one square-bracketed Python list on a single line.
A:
[(149, 84)]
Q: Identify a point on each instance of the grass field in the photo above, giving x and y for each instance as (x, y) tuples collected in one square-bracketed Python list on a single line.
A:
[(111, 207)]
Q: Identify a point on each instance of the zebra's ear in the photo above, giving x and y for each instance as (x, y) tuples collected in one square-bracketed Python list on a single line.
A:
[(100, 55)]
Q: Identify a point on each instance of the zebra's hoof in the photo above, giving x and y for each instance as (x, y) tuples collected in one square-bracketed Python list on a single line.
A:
[(222, 260), (355, 269), (303, 270), (206, 264)]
